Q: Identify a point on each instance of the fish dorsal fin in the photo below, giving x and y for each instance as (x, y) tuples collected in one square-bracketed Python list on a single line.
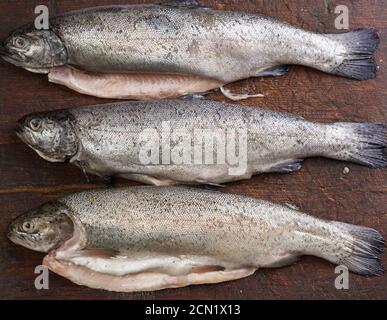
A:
[(181, 3)]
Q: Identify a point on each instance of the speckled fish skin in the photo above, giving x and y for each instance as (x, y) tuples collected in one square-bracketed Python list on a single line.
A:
[(183, 220), (223, 45), (106, 139), (187, 39), (188, 236), (227, 226)]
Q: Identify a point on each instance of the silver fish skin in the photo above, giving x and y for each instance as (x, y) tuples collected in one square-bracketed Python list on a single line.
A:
[(108, 140), (150, 238), (221, 45)]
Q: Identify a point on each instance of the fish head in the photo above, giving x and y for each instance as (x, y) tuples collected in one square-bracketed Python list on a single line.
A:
[(43, 228), (50, 134), (35, 50)]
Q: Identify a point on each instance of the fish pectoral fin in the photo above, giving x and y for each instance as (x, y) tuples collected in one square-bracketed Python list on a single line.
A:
[(195, 96), (274, 72), (108, 181), (288, 166), (238, 96)]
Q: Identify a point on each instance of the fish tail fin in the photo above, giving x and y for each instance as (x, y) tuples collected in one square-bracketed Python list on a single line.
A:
[(360, 249), (361, 45), (362, 143)]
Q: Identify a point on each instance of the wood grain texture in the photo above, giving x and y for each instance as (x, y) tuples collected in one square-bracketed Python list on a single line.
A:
[(320, 188)]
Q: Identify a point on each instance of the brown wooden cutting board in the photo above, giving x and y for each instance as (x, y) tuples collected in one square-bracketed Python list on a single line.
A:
[(320, 188)]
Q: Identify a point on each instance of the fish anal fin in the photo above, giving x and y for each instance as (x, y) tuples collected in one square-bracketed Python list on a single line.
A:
[(291, 206), (279, 261), (288, 166), (274, 72)]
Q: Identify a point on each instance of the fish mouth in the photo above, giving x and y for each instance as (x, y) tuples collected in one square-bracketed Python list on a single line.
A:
[(19, 130), (10, 233), (13, 236), (6, 56), (3, 50), (20, 240), (23, 136), (12, 57)]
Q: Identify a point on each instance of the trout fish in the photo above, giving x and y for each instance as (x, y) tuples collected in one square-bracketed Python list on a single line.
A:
[(115, 51), (150, 238), (194, 140)]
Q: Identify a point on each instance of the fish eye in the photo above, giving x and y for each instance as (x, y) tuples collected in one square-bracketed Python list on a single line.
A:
[(27, 227), (35, 124), (20, 42)]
